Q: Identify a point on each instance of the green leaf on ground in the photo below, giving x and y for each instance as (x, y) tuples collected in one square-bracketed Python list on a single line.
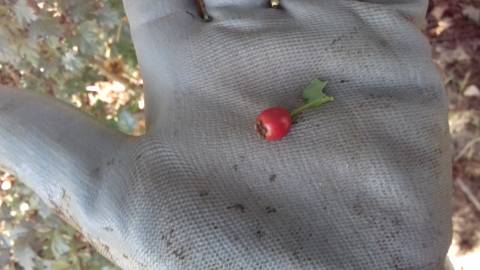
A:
[(24, 13), (108, 17), (72, 62), (59, 245), (88, 38), (46, 27), (23, 252), (126, 121)]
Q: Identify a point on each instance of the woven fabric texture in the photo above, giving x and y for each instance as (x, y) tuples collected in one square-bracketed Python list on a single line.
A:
[(362, 183)]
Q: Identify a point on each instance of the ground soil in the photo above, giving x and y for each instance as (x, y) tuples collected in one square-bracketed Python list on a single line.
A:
[(453, 28)]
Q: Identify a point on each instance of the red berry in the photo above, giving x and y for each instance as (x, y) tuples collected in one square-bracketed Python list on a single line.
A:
[(274, 123)]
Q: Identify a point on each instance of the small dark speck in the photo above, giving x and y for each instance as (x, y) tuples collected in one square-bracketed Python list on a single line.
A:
[(190, 13), (383, 43), (238, 207), (396, 221), (215, 227), (235, 167), (336, 40), (108, 229), (138, 157), (324, 208), (125, 256), (273, 177), (110, 162), (179, 254), (358, 209), (270, 209), (343, 81), (242, 157), (260, 234), (203, 193), (169, 243)]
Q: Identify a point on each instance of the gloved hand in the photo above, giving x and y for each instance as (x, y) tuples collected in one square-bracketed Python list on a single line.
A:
[(362, 183)]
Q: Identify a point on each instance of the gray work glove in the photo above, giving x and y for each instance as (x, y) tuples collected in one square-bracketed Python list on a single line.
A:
[(362, 183)]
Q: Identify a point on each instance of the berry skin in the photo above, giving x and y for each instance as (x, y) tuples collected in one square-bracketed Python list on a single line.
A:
[(274, 123)]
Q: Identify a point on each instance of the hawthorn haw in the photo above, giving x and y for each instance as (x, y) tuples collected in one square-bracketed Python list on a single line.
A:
[(274, 123)]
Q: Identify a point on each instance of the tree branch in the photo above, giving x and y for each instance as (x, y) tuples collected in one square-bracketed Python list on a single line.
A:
[(468, 193)]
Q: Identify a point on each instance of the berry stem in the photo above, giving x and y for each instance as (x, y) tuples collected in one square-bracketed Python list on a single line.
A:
[(310, 105)]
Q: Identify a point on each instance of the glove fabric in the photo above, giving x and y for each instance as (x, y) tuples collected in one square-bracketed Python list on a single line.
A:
[(362, 183)]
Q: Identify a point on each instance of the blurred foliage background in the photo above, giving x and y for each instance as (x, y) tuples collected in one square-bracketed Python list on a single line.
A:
[(80, 51), (453, 27)]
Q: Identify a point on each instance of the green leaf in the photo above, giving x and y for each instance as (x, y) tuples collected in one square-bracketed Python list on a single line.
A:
[(314, 97), (24, 13), (116, 4), (72, 62), (7, 53), (41, 263), (46, 27), (314, 91), (108, 17), (61, 265), (125, 48), (126, 121), (23, 252), (25, 256), (59, 246), (53, 42), (78, 10), (28, 53), (5, 212), (88, 38), (43, 209)]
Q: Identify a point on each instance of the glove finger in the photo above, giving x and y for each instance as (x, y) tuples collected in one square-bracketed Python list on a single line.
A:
[(413, 9), (238, 3), (140, 12), (57, 151)]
